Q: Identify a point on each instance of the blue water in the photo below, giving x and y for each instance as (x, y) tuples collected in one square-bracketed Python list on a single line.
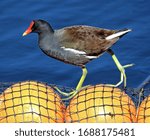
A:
[(21, 59)]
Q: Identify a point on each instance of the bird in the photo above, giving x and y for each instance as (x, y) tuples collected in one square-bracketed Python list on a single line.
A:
[(77, 45)]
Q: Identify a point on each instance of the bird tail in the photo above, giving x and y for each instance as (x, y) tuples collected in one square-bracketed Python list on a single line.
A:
[(119, 34)]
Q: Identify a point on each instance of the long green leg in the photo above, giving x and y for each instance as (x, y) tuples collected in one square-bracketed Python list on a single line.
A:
[(121, 68), (84, 73), (79, 86)]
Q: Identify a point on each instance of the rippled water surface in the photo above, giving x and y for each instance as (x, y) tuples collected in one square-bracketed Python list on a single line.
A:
[(21, 59)]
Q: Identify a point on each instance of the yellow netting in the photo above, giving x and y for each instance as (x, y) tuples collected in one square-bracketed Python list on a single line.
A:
[(30, 102), (101, 103), (33, 101), (143, 111)]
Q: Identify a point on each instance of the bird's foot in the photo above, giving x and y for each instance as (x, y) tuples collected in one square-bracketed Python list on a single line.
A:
[(122, 77), (69, 94), (63, 93), (128, 65), (73, 93), (85, 87)]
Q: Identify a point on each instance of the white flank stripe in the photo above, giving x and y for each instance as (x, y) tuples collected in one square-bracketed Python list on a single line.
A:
[(117, 34), (73, 50), (91, 57)]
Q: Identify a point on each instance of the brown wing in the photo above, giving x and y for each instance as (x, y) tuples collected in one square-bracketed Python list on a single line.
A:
[(86, 38)]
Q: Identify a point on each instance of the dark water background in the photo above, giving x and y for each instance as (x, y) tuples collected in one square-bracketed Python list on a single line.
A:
[(21, 59)]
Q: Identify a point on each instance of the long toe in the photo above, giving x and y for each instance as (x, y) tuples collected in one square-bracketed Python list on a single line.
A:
[(128, 65), (63, 93)]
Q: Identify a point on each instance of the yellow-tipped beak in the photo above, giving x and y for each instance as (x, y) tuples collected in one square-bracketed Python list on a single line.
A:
[(25, 33), (29, 29)]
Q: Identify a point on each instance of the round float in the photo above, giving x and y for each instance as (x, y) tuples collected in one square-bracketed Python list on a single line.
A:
[(30, 101), (100, 104), (144, 111)]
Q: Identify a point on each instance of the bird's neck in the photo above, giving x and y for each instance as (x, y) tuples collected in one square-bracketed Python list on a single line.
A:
[(44, 34), (47, 41), (47, 30)]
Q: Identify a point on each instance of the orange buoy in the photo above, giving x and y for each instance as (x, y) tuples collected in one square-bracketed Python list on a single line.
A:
[(100, 104), (30, 102), (144, 111)]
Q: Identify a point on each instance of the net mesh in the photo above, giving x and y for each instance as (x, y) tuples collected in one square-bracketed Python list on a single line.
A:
[(30, 102), (101, 103), (33, 101)]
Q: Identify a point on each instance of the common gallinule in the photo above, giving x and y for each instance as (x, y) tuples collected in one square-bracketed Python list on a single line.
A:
[(77, 45)]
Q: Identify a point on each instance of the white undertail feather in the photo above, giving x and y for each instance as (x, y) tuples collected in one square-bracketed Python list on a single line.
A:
[(117, 34)]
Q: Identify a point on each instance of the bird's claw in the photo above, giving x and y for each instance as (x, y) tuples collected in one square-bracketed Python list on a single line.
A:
[(61, 92), (70, 94)]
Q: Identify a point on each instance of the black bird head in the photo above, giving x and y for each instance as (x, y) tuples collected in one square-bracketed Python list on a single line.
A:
[(38, 26)]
